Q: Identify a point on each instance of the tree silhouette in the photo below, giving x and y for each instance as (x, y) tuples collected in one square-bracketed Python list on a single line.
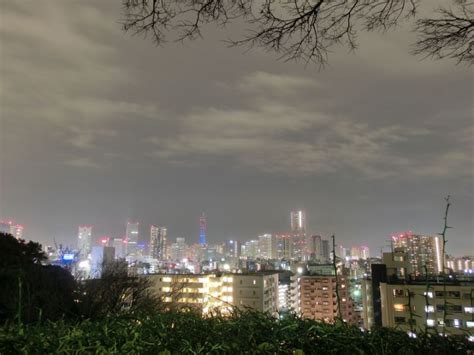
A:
[(29, 290), (451, 35), (303, 29)]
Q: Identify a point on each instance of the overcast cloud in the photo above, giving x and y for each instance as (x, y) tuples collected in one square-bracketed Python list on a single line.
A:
[(98, 127)]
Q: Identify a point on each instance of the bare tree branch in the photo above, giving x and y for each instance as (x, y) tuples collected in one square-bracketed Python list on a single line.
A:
[(295, 29), (451, 35), (305, 29)]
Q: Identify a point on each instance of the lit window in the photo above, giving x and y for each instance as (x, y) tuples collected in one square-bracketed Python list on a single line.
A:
[(430, 322), (469, 309), (254, 282), (398, 292), (429, 309), (456, 323), (469, 324), (399, 307), (429, 294)]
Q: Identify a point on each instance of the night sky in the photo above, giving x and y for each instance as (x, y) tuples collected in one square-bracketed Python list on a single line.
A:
[(99, 126)]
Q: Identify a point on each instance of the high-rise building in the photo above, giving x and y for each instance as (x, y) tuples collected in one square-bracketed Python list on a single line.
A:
[(232, 248), (360, 253), (158, 242), (425, 252), (101, 257), (267, 246), (314, 247), (284, 246), (325, 251), (364, 252), (84, 241), (178, 250), (462, 265), (119, 245), (12, 228), (250, 249), (318, 299), (202, 229), (298, 234), (131, 236)]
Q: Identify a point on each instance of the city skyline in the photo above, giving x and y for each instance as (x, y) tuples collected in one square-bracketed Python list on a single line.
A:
[(149, 235), (127, 130)]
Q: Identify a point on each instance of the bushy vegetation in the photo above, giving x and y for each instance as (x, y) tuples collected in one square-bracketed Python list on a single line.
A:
[(189, 333), (29, 290)]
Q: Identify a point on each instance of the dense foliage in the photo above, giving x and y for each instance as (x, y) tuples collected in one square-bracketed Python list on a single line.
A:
[(30, 291), (243, 333)]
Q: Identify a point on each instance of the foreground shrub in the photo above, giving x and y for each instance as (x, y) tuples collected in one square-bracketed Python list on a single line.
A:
[(243, 333)]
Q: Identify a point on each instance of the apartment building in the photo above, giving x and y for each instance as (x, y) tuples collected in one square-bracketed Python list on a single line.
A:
[(318, 300), (418, 306), (216, 291)]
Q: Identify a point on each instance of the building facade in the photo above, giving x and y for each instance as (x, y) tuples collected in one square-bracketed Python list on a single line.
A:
[(318, 299), (424, 252), (131, 237), (267, 246), (418, 307), (178, 250), (218, 292), (158, 242), (84, 241), (12, 228), (284, 246), (298, 235)]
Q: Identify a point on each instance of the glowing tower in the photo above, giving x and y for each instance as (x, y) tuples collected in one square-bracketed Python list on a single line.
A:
[(202, 229)]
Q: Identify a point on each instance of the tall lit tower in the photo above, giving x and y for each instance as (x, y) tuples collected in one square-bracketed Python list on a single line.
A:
[(298, 234), (131, 236), (158, 242), (84, 240), (202, 229), (298, 221)]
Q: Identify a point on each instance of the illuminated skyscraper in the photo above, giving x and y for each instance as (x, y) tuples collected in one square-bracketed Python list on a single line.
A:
[(284, 246), (267, 246), (12, 228), (232, 248), (298, 234), (158, 242), (84, 241), (178, 250), (250, 249), (131, 236), (423, 251), (202, 229)]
